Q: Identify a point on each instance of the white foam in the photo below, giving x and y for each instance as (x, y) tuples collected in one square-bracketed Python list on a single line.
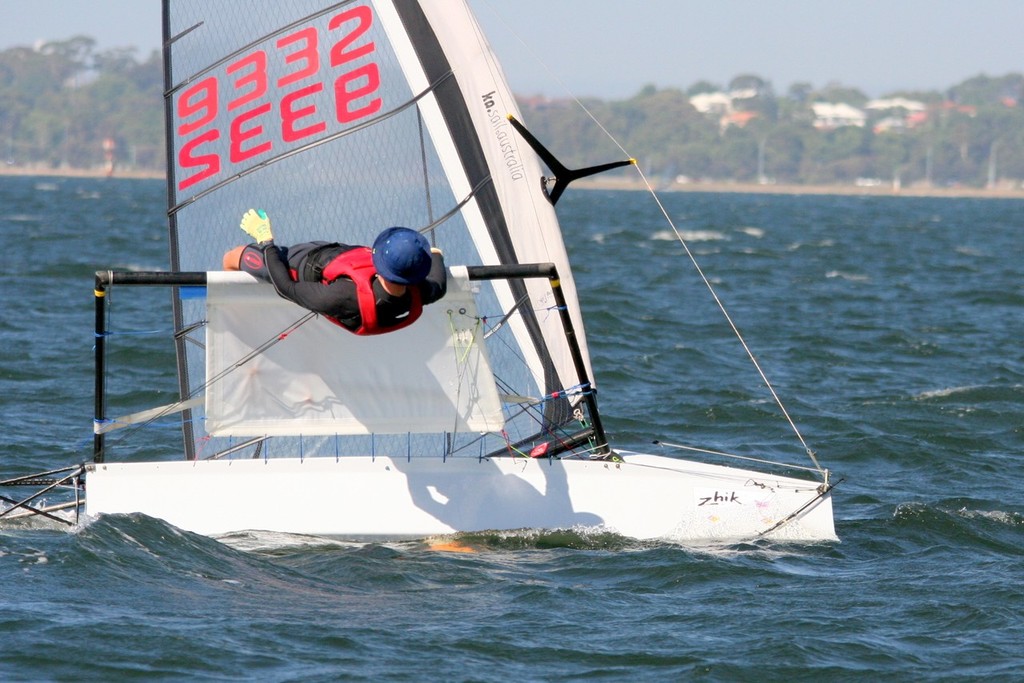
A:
[(690, 236), (850, 277)]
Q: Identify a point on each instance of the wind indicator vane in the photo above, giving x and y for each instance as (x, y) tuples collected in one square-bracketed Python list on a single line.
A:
[(563, 175)]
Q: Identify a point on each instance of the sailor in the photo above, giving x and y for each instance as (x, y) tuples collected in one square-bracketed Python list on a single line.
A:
[(366, 290)]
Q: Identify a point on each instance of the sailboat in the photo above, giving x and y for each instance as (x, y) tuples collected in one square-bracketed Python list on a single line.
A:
[(341, 119)]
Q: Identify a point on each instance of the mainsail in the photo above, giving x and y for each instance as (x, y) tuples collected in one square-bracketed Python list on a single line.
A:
[(340, 121)]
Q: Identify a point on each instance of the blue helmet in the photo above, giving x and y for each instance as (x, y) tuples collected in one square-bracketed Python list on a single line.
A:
[(402, 255)]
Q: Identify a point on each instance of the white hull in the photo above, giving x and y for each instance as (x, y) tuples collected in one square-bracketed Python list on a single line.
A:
[(643, 496)]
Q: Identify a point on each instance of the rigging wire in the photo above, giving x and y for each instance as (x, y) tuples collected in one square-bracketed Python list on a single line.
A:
[(720, 304), (650, 189)]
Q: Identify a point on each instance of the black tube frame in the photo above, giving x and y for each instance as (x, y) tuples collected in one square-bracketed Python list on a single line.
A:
[(105, 279)]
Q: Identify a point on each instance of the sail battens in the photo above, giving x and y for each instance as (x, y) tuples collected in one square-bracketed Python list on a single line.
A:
[(213, 66), (265, 162)]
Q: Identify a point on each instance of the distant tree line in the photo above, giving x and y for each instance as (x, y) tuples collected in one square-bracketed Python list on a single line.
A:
[(970, 135), (64, 104)]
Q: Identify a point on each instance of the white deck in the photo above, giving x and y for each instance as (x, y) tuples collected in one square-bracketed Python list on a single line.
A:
[(645, 497)]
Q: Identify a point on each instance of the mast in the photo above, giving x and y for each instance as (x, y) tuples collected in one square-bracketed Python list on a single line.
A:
[(172, 227)]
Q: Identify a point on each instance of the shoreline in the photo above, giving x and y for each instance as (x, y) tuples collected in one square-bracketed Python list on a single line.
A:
[(622, 184), (37, 172), (793, 189)]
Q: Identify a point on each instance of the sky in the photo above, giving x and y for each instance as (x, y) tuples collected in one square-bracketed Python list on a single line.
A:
[(613, 48)]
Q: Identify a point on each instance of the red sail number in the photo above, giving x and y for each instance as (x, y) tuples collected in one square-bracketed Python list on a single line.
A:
[(357, 85), (199, 101), (253, 109)]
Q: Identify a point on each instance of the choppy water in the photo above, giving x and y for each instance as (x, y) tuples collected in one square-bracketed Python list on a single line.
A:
[(891, 327)]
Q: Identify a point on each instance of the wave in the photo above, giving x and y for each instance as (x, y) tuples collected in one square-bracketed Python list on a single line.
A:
[(973, 393), (851, 277), (821, 244), (944, 393), (690, 236), (962, 523)]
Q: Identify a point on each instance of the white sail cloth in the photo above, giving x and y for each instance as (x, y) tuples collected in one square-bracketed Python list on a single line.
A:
[(319, 379)]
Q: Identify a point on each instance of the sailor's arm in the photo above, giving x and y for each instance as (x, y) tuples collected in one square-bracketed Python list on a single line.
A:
[(333, 299), (436, 284)]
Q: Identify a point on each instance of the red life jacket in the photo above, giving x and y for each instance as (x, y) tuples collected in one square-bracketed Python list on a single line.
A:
[(357, 264)]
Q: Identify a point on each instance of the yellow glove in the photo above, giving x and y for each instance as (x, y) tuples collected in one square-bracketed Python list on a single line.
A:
[(256, 224)]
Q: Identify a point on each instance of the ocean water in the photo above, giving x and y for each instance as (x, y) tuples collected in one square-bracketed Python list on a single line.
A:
[(890, 327)]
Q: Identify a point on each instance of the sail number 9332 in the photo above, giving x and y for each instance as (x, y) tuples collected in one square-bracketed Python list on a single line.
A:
[(241, 91)]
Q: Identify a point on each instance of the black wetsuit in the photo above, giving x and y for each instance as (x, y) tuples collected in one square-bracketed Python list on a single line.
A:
[(337, 299)]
